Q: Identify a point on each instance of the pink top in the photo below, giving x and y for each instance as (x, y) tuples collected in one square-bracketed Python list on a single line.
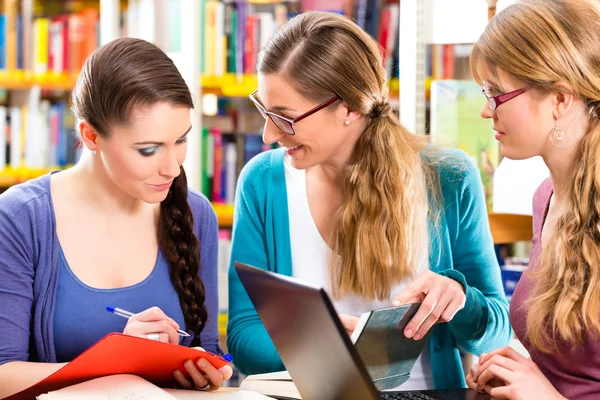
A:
[(574, 373)]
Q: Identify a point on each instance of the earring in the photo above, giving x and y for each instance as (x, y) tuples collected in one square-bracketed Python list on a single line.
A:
[(93, 152), (559, 136), (347, 122)]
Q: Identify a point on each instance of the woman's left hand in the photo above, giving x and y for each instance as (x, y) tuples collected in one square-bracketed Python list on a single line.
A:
[(440, 297), (203, 376), (520, 377)]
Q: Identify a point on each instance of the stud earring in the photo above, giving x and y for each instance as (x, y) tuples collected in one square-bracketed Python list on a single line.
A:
[(347, 122), (93, 152)]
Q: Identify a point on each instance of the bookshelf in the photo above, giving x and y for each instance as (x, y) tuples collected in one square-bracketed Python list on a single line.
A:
[(46, 81), (506, 228), (429, 24), (230, 85), (188, 57)]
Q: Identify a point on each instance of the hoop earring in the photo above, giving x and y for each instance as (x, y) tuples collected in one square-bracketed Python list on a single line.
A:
[(559, 136)]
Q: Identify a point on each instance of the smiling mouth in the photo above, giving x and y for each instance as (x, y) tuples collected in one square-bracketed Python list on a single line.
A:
[(162, 185)]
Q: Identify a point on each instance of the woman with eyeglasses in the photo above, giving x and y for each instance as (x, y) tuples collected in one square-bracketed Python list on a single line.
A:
[(355, 203), (538, 62)]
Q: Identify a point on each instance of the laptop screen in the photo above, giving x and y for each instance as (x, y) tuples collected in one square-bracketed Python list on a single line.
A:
[(311, 341)]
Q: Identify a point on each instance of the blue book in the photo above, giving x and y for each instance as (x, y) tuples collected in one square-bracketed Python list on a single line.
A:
[(252, 146), (19, 41), (2, 41)]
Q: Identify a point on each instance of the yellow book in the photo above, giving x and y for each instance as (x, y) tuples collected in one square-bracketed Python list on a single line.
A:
[(40, 45), (11, 10), (210, 38)]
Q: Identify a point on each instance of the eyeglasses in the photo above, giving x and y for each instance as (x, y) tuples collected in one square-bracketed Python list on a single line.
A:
[(496, 101), (283, 123)]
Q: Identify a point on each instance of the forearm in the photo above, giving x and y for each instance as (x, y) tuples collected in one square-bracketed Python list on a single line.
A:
[(253, 351), (18, 375), (484, 326)]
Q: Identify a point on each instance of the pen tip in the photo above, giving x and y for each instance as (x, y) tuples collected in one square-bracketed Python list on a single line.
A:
[(110, 309)]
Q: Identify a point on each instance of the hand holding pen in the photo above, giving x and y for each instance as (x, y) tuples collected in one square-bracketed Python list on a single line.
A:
[(152, 324)]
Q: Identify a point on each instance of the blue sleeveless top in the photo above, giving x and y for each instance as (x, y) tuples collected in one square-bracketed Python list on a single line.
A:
[(80, 316)]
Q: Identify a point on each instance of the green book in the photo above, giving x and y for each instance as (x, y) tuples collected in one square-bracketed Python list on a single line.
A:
[(204, 173)]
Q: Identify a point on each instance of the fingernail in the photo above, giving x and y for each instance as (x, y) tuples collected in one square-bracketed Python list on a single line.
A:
[(202, 363), (396, 303), (408, 333), (418, 336)]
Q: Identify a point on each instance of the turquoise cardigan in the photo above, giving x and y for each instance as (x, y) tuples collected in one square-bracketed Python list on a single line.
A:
[(462, 251)]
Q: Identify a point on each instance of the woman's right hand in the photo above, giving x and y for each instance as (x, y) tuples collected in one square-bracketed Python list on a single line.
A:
[(349, 322), (153, 321)]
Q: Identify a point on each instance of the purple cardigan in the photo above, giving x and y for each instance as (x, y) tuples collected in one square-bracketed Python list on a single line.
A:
[(29, 265)]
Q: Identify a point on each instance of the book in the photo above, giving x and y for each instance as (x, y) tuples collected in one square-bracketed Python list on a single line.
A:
[(379, 339), (126, 386), (116, 354), (455, 122), (275, 384)]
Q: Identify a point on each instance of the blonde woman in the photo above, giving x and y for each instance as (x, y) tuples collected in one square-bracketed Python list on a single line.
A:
[(354, 202), (538, 63)]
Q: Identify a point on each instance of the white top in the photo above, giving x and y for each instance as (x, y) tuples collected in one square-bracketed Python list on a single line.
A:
[(310, 262)]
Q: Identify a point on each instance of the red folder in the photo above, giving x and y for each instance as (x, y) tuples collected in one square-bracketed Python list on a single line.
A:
[(122, 354)]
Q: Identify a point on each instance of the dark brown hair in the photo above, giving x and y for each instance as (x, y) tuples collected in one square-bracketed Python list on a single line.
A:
[(118, 77)]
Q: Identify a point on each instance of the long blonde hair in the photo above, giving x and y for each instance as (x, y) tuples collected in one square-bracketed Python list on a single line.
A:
[(377, 232), (541, 43)]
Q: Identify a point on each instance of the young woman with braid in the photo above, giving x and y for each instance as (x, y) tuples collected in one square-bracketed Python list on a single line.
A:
[(357, 204), (539, 64), (119, 228)]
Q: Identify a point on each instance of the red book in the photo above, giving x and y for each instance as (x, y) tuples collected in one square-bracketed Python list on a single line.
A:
[(448, 61), (217, 187)]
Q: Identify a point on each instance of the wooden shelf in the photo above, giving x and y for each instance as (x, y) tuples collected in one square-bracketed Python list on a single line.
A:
[(506, 228), (10, 177), (231, 85), (20, 80), (224, 214), (510, 228)]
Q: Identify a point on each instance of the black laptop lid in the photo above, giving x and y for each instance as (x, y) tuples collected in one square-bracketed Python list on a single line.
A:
[(314, 347)]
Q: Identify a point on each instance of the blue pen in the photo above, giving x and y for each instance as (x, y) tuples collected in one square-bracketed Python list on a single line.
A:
[(126, 314)]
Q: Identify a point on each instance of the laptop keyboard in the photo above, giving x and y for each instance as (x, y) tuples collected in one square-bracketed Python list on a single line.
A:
[(404, 396)]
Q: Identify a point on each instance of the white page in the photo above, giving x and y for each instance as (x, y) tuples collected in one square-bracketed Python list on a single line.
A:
[(271, 376), (114, 387), (222, 394)]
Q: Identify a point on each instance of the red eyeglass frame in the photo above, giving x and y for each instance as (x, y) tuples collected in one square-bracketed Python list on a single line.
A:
[(275, 117), (496, 101)]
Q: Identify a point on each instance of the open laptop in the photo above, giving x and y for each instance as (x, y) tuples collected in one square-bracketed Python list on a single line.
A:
[(313, 344)]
